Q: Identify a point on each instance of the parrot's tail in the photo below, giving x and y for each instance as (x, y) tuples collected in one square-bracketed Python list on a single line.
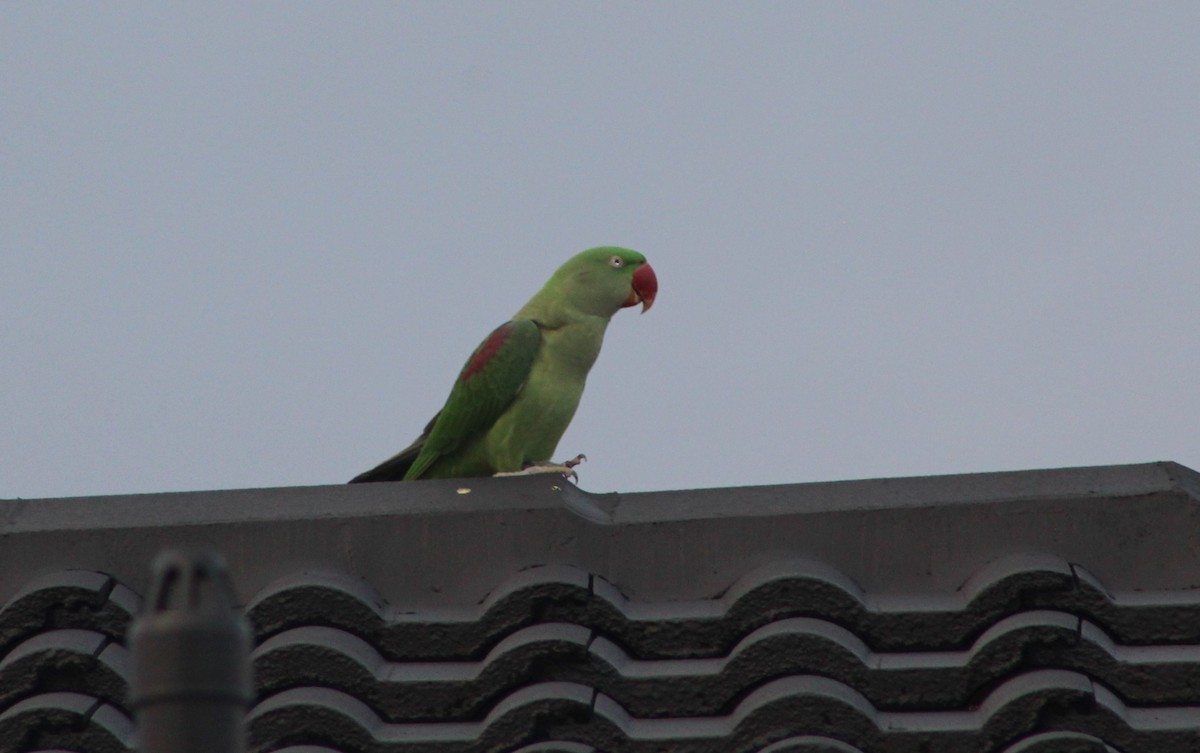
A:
[(392, 469)]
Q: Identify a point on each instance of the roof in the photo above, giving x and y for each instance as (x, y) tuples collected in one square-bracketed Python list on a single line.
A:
[(1025, 611)]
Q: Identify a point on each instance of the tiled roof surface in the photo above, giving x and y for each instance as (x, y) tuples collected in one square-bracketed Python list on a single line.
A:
[(1026, 612)]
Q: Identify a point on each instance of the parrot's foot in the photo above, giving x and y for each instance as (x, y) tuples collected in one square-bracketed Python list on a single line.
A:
[(566, 469)]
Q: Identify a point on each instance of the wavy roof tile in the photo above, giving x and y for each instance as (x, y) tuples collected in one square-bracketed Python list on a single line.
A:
[(1022, 612)]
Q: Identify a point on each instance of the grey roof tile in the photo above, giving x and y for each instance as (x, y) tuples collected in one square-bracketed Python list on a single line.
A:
[(83, 662), (1060, 742), (534, 595), (400, 691), (712, 627), (417, 690), (66, 599), (823, 707), (321, 715), (69, 720), (1029, 612), (1143, 616)]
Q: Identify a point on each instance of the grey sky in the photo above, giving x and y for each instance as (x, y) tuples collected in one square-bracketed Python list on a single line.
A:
[(251, 244)]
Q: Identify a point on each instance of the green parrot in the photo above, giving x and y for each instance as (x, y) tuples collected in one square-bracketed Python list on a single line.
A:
[(516, 394)]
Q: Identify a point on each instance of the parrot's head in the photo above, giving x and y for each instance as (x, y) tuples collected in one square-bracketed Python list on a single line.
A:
[(602, 280)]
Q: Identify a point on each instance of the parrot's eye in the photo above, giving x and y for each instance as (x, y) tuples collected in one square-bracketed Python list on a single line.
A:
[(616, 262)]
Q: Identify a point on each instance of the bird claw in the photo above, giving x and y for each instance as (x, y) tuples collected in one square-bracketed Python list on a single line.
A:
[(566, 469)]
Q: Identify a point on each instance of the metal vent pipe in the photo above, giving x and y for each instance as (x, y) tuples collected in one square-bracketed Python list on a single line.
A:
[(191, 673)]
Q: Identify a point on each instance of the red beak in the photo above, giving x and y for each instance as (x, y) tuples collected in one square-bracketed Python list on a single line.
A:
[(645, 287)]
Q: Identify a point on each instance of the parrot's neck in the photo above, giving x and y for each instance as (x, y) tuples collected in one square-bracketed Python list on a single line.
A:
[(573, 337), (576, 345)]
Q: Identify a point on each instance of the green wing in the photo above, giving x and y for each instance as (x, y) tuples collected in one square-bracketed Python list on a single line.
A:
[(486, 386)]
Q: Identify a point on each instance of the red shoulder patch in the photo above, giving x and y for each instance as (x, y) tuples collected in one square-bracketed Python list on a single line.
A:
[(486, 350)]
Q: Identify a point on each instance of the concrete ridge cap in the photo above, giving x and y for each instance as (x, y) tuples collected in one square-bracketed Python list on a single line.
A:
[(1101, 482), (556, 496)]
